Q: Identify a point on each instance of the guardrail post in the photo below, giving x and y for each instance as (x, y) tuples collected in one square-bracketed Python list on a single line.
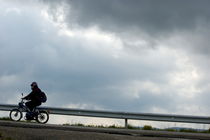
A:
[(126, 123)]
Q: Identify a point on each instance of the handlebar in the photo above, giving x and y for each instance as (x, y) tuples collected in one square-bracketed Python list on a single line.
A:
[(22, 100)]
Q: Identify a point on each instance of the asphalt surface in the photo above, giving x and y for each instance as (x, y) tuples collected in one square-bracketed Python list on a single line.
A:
[(35, 131)]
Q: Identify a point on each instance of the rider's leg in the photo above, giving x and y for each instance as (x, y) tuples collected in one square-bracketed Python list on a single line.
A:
[(35, 112), (35, 106), (31, 105)]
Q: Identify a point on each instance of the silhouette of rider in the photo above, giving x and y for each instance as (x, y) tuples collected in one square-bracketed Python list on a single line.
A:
[(33, 97)]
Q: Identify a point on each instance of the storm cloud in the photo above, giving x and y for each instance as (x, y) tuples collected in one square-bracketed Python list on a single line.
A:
[(143, 19)]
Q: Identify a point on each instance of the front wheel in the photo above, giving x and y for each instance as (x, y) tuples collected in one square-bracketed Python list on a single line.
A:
[(15, 115), (42, 117)]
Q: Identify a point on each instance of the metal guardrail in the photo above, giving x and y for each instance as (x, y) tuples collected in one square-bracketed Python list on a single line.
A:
[(120, 115)]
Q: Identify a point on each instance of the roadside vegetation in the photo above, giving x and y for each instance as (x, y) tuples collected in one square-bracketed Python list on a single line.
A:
[(145, 127), (5, 118)]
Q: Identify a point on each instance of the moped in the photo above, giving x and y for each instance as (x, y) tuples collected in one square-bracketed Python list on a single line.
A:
[(16, 114)]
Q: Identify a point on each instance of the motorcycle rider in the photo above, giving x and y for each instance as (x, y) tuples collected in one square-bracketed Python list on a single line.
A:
[(34, 97)]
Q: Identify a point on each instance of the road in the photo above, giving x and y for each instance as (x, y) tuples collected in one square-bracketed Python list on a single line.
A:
[(34, 131)]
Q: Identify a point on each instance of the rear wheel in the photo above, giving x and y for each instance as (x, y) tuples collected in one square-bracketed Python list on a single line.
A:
[(15, 115), (42, 117)]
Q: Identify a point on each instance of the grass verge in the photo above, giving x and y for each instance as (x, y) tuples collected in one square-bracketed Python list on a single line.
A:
[(145, 127), (5, 118)]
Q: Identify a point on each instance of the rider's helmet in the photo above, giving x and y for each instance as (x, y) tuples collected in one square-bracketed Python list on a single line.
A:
[(33, 85)]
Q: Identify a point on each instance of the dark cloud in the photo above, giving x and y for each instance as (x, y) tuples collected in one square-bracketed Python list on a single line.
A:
[(150, 16), (142, 19)]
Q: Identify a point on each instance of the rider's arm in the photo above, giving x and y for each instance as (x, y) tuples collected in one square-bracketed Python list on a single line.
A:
[(28, 97)]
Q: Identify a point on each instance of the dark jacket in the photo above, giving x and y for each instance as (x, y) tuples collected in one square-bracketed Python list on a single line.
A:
[(34, 95)]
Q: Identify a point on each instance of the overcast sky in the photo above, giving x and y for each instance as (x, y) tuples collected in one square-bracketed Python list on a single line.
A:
[(120, 55)]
